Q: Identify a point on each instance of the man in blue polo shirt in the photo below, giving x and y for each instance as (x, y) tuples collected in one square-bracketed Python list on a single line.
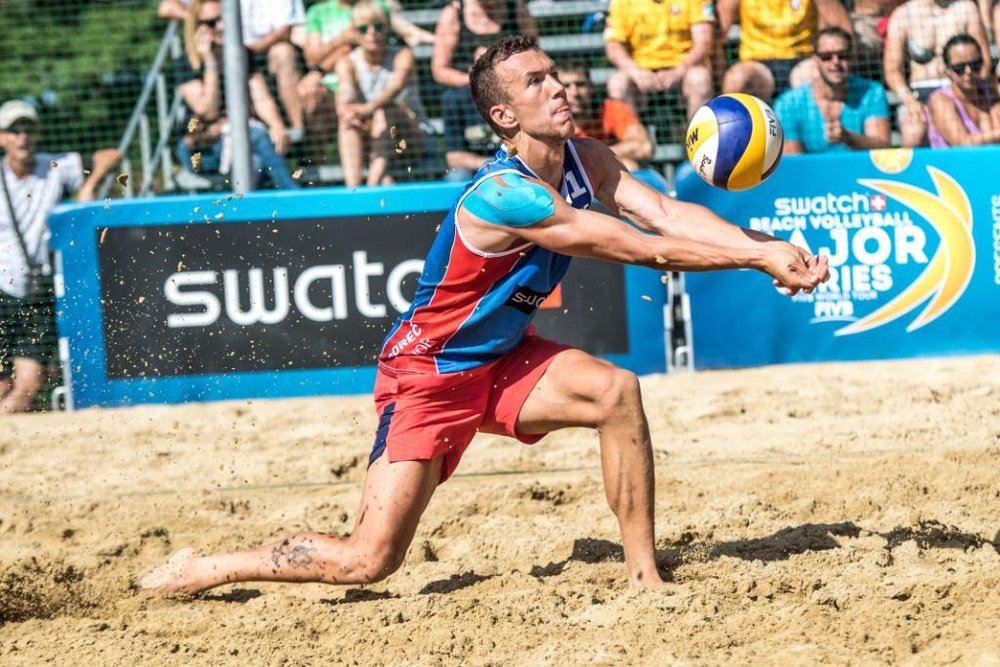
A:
[(836, 111)]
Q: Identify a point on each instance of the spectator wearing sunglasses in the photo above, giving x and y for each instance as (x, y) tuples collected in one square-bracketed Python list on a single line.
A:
[(776, 40), (914, 66), (200, 80), (836, 110), (271, 30), (34, 183), (966, 110), (378, 102)]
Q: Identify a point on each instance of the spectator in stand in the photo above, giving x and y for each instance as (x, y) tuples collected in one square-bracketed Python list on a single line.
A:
[(966, 110), (918, 31), (464, 30), (837, 110), (270, 28), (776, 40), (660, 47), (870, 19), (33, 185), (614, 122), (330, 37), (205, 147), (378, 102)]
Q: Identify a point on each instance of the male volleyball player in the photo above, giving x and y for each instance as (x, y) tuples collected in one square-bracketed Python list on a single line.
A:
[(464, 356)]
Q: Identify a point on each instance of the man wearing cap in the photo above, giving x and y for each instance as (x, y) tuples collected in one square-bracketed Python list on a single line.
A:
[(31, 186)]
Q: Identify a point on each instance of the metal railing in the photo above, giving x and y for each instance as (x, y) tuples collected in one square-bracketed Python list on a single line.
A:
[(158, 158)]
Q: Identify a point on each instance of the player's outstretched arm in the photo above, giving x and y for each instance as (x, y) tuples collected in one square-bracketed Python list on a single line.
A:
[(511, 204), (691, 228)]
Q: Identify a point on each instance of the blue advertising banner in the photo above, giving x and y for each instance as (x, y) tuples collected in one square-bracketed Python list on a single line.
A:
[(913, 238), (279, 294)]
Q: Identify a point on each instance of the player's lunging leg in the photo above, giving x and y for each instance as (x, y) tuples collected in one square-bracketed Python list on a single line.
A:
[(394, 497), (580, 390)]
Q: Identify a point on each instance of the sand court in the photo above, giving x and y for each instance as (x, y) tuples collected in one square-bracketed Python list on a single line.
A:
[(835, 513)]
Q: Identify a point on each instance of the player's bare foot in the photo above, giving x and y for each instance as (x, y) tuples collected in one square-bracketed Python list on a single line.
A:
[(175, 577), (646, 580)]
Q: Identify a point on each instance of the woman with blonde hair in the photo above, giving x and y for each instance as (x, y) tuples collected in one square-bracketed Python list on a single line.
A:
[(378, 102), (199, 75)]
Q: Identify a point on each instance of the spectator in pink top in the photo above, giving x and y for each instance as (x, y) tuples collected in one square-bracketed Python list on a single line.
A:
[(966, 110)]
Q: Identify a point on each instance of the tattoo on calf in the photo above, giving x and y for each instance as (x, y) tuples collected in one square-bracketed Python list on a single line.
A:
[(297, 557)]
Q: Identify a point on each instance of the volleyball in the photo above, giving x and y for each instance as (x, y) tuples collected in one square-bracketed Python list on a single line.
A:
[(734, 142)]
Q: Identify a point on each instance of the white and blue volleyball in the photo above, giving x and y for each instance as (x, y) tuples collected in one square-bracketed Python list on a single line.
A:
[(734, 142)]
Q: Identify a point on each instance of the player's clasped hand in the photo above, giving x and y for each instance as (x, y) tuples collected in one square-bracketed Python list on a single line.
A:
[(799, 270)]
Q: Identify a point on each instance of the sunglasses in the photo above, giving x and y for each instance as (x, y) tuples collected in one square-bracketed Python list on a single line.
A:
[(973, 65), (211, 23), (22, 127), (378, 26), (827, 56)]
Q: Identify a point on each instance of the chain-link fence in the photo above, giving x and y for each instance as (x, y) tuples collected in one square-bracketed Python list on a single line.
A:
[(84, 65)]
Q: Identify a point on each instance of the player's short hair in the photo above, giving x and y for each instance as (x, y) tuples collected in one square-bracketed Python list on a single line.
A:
[(486, 89), (834, 31), (959, 40)]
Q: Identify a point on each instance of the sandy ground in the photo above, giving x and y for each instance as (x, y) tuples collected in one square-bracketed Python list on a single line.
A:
[(838, 514)]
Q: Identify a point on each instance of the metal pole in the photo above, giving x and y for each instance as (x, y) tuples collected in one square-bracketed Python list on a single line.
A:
[(234, 61)]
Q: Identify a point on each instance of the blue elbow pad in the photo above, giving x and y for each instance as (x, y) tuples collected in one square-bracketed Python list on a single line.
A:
[(510, 199)]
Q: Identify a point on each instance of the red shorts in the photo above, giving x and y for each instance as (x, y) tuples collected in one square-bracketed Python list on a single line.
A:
[(424, 416)]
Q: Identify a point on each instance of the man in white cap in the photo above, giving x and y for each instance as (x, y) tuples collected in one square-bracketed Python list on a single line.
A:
[(31, 186)]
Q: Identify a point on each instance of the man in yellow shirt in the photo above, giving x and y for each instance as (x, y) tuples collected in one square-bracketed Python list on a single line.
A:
[(660, 45), (776, 38)]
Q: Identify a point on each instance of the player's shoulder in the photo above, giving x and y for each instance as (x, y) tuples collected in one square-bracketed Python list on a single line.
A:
[(508, 197)]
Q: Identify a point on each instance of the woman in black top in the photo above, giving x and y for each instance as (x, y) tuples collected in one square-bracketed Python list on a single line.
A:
[(465, 29)]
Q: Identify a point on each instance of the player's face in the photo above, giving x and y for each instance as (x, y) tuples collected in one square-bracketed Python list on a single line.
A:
[(578, 91), (833, 59), (535, 95)]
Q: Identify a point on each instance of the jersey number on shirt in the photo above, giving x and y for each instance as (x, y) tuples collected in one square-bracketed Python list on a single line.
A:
[(574, 188)]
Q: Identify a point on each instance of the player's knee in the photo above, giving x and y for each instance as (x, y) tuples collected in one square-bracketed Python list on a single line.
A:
[(620, 393), (380, 563)]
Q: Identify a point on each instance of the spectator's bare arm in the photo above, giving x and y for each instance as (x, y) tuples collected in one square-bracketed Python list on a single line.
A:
[(977, 30), (171, 9), (876, 135), (402, 67), (893, 59), (727, 12), (267, 110), (445, 42), (701, 48), (204, 96), (945, 117), (411, 33), (635, 145), (833, 14), (325, 54), (619, 56), (263, 45), (526, 23), (102, 163)]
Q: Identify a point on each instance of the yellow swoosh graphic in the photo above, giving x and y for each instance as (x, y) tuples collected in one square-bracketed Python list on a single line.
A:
[(949, 271)]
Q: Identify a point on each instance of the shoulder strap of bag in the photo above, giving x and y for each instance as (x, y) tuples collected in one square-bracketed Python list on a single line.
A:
[(13, 218)]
